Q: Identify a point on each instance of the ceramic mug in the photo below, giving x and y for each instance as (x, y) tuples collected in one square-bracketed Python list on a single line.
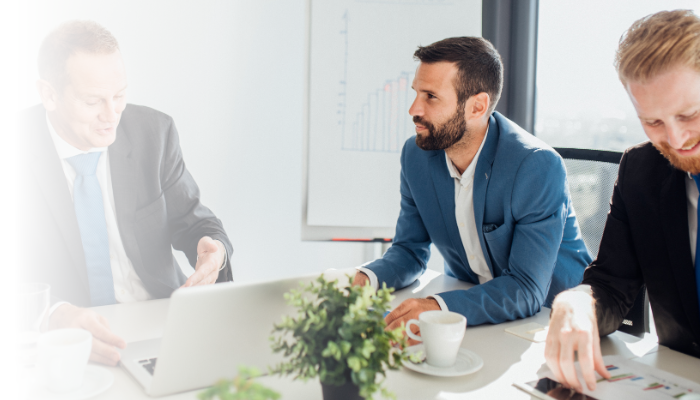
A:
[(62, 356), (441, 333)]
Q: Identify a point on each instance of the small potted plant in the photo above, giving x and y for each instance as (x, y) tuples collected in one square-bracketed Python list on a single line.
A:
[(338, 336)]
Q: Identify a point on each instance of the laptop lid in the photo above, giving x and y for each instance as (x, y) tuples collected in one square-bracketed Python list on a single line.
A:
[(212, 330)]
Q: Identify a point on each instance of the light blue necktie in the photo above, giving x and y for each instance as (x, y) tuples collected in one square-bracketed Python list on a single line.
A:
[(697, 244), (90, 212)]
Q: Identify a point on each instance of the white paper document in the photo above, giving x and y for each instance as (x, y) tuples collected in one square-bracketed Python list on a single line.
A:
[(532, 331), (629, 380)]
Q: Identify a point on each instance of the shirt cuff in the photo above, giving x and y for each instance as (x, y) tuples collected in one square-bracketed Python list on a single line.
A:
[(54, 307), (440, 302), (373, 281), (225, 255), (580, 288), (583, 288)]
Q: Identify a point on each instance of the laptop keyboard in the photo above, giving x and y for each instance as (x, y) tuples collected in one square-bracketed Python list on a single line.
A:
[(149, 364)]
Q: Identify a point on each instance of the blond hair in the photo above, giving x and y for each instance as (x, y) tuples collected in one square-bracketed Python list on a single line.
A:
[(68, 39), (657, 42)]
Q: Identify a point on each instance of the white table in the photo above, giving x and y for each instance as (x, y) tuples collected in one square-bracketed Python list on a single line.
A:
[(507, 358)]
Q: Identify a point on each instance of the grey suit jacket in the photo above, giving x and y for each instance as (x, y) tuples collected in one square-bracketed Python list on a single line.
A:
[(156, 201)]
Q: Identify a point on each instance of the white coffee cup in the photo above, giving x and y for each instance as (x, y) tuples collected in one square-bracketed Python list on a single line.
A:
[(441, 333), (62, 357)]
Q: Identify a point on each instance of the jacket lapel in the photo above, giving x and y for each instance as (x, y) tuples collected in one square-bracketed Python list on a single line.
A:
[(124, 175), (48, 172), (674, 212), (482, 175)]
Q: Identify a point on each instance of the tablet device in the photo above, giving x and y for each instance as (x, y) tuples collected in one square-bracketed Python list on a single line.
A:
[(548, 389)]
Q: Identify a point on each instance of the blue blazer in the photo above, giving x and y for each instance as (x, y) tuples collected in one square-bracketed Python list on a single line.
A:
[(525, 221)]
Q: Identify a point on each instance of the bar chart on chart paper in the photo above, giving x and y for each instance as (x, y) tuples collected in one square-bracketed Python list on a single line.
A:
[(381, 123), (361, 70), (633, 380)]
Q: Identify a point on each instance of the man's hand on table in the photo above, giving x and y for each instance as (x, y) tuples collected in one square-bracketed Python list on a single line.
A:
[(210, 257), (409, 309), (573, 327), (103, 340), (360, 279)]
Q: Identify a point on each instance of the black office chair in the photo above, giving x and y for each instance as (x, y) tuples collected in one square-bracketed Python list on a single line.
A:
[(591, 175)]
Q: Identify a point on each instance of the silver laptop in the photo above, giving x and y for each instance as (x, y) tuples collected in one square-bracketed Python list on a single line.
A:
[(209, 332)]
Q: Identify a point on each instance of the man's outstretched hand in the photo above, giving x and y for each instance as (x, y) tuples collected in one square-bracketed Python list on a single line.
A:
[(210, 256)]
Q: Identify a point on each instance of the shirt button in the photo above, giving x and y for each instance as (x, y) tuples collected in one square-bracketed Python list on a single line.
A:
[(461, 225), (471, 257)]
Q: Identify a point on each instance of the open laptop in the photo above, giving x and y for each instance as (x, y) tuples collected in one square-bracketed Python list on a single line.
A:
[(209, 332)]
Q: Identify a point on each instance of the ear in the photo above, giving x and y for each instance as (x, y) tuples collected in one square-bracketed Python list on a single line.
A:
[(48, 94), (477, 106)]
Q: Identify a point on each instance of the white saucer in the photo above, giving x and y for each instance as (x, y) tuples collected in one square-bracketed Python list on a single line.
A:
[(95, 381), (467, 363)]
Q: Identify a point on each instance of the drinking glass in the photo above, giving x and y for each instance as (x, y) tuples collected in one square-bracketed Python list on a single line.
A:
[(32, 317)]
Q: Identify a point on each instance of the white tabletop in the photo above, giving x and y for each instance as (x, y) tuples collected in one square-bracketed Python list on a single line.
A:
[(507, 358)]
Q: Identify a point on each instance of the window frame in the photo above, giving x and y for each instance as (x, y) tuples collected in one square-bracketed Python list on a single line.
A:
[(511, 26)]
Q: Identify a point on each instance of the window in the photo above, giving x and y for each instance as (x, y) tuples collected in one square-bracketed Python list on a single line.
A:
[(579, 100)]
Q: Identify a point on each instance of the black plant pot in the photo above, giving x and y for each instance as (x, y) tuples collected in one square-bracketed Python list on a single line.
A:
[(346, 391)]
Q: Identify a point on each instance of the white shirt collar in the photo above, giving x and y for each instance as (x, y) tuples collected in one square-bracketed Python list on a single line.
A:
[(468, 174), (63, 148)]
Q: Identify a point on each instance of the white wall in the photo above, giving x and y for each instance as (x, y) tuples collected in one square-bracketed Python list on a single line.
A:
[(231, 75)]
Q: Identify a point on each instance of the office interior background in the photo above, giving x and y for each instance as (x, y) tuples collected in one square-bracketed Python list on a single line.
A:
[(232, 75)]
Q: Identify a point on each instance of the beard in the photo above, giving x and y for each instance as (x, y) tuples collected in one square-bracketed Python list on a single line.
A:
[(686, 164), (442, 136)]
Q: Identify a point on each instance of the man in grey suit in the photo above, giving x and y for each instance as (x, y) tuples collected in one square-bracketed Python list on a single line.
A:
[(105, 194)]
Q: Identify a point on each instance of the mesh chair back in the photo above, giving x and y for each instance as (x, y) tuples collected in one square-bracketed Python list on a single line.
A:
[(591, 175)]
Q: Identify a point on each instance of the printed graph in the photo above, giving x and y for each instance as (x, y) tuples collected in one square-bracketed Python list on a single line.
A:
[(381, 123), (646, 382), (360, 72)]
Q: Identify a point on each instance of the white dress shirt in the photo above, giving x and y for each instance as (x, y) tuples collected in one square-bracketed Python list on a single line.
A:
[(466, 223), (128, 287), (464, 214)]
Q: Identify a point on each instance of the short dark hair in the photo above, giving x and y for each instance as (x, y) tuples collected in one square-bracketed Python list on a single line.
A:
[(70, 38), (479, 64)]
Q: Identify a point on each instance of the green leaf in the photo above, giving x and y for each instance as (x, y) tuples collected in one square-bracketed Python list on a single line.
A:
[(345, 347), (332, 350), (354, 363), (368, 348)]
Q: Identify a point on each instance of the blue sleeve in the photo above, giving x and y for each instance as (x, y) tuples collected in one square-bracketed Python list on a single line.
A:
[(407, 258), (539, 207)]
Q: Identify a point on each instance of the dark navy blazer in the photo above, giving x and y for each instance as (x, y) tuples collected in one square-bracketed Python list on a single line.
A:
[(525, 221)]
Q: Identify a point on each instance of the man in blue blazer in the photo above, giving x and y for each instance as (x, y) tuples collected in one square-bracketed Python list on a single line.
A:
[(493, 198)]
